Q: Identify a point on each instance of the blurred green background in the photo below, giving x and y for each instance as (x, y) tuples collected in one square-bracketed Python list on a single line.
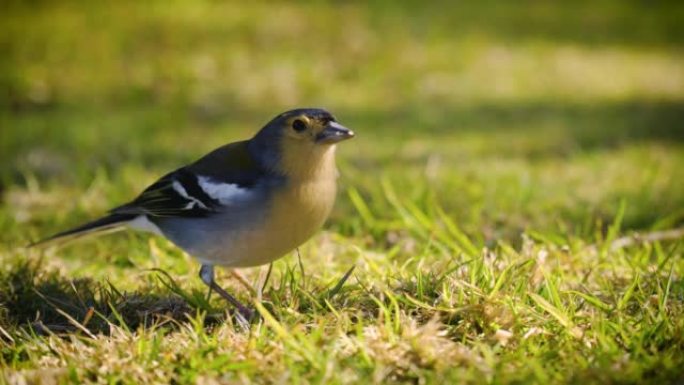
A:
[(513, 116)]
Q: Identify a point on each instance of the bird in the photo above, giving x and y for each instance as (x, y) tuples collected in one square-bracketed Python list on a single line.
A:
[(244, 204)]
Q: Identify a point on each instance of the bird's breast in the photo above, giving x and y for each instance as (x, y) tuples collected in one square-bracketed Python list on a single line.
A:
[(295, 212), (299, 210)]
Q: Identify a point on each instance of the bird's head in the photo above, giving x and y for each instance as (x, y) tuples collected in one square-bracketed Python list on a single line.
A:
[(300, 143)]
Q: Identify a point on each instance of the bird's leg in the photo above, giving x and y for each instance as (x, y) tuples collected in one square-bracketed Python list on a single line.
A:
[(264, 282), (207, 276), (208, 297)]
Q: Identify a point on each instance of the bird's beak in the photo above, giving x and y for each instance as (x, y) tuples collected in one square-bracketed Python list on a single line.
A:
[(333, 133)]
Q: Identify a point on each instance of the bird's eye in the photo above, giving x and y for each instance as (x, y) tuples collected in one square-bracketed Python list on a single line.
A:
[(298, 125)]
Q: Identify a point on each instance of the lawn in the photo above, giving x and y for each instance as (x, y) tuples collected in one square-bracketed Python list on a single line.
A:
[(512, 205)]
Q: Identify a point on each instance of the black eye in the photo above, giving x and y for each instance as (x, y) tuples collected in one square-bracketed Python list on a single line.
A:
[(298, 125)]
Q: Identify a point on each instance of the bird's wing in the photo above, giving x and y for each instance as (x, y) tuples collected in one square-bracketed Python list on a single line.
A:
[(219, 179)]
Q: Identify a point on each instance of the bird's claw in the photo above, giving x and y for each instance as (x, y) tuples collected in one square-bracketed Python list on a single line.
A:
[(245, 316)]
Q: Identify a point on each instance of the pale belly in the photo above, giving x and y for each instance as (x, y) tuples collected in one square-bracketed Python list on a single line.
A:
[(295, 214)]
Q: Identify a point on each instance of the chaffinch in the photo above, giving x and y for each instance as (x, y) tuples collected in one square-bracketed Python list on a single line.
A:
[(244, 204)]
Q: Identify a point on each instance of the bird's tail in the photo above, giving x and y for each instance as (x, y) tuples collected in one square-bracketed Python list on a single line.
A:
[(107, 224)]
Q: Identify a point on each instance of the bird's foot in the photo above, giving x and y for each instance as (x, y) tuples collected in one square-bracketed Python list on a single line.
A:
[(245, 316)]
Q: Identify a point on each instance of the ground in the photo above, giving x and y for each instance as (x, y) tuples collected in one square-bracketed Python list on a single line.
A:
[(512, 205)]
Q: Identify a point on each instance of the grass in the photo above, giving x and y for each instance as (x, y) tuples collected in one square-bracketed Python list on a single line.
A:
[(508, 205)]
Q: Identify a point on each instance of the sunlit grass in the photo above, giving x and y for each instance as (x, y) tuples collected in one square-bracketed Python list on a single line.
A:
[(507, 204)]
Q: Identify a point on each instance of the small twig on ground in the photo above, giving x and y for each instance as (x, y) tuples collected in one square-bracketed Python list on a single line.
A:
[(635, 238), (654, 236)]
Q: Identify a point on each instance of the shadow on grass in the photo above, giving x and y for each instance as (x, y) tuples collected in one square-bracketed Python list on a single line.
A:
[(540, 129), (584, 126), (46, 302), (42, 301), (606, 22)]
